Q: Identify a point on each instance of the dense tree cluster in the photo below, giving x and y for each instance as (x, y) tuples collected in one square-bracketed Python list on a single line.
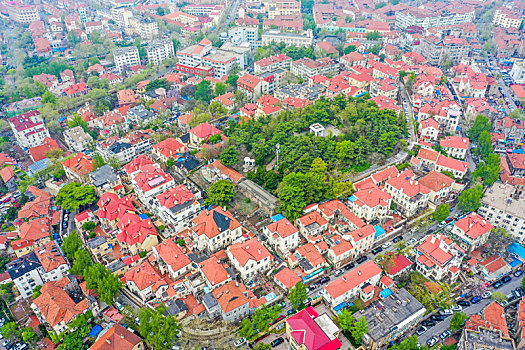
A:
[(302, 181)]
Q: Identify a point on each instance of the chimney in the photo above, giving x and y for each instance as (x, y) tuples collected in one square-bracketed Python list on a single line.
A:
[(236, 284), (108, 341), (359, 272), (259, 251)]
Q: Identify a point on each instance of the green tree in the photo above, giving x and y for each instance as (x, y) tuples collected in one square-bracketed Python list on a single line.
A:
[(488, 169), (48, 97), (37, 292), (217, 109), (359, 329), (498, 241), (442, 212), (458, 321), (101, 279), (410, 343), (482, 123), (232, 80), (158, 328), (203, 92), (71, 244), (264, 315), (88, 226), (10, 331), (470, 199), (373, 35), (77, 120), (498, 296), (220, 89), (82, 261), (523, 282), (28, 335), (220, 193), (263, 346), (349, 48), (74, 195), (298, 295), (247, 331), (346, 320), (229, 156)]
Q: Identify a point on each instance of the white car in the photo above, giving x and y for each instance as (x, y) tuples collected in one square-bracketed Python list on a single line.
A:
[(386, 245), (457, 308), (486, 295), (446, 312), (239, 342)]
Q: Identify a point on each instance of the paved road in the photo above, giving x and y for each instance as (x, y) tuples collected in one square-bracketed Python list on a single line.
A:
[(473, 309)]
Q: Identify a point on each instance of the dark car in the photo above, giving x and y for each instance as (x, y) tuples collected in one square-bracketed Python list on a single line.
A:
[(349, 266), (518, 273), (506, 279), (397, 239), (324, 280), (463, 303), (377, 250), (428, 323), (476, 300), (448, 220), (362, 259), (290, 312), (277, 341), (437, 317), (280, 318), (497, 284)]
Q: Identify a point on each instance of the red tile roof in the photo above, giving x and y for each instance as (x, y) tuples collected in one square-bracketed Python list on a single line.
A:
[(352, 279), (208, 222), (172, 254), (474, 225), (287, 277), (79, 164), (308, 334), (283, 228), (214, 271), (170, 147), (251, 249), (39, 152), (117, 338), (205, 130), (455, 142), (436, 181), (401, 263), (143, 275)]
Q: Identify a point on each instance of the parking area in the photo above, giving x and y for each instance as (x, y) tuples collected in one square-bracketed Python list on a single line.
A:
[(269, 339)]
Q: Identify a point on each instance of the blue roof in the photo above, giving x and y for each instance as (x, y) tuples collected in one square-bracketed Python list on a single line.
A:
[(385, 293), (516, 262), (38, 166), (340, 306), (277, 217), (519, 151), (96, 330), (143, 216), (352, 198), (517, 249), (379, 231)]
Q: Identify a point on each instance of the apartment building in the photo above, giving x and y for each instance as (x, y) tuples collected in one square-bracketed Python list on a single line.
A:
[(148, 28), (436, 49), (29, 129), (307, 68), (268, 64), (176, 207), (304, 38), (513, 129), (159, 50), (370, 203), (238, 35), (426, 18), (359, 282), (77, 139), (250, 258), (126, 148), (502, 206), (126, 57), (439, 258), (507, 18), (252, 86), (517, 72), (455, 146), (21, 13)]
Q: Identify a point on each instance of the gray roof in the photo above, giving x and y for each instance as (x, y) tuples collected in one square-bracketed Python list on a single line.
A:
[(103, 175), (115, 265), (384, 318), (141, 112), (209, 300), (175, 307), (124, 50), (96, 242), (485, 339)]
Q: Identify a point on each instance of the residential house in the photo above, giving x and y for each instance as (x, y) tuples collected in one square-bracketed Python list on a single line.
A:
[(439, 258), (104, 179), (214, 273), (455, 146), (171, 259), (439, 184), (169, 148), (472, 231), (250, 258), (77, 139), (202, 132), (282, 235), (370, 203), (29, 129), (176, 207), (286, 279), (137, 233), (215, 229), (145, 281), (409, 195), (230, 301), (55, 307), (312, 224), (358, 282), (307, 330), (118, 337), (78, 167)]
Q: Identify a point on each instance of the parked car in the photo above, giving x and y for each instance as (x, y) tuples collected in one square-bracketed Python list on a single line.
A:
[(421, 330), (411, 241), (362, 259), (280, 326), (239, 342), (339, 272), (497, 284), (506, 279), (290, 312), (437, 317), (279, 319), (446, 334), (457, 308), (377, 250), (486, 295), (397, 239), (463, 303), (282, 304), (518, 273), (446, 312), (349, 266), (449, 220), (324, 280), (476, 300), (277, 341), (386, 245), (432, 341), (428, 323)]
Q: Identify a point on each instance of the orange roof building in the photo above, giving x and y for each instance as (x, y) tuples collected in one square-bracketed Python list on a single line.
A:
[(118, 338), (250, 258), (78, 166)]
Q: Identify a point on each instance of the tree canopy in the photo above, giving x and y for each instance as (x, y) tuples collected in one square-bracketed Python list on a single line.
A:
[(74, 195), (298, 295), (442, 212), (220, 193), (470, 199), (157, 328)]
